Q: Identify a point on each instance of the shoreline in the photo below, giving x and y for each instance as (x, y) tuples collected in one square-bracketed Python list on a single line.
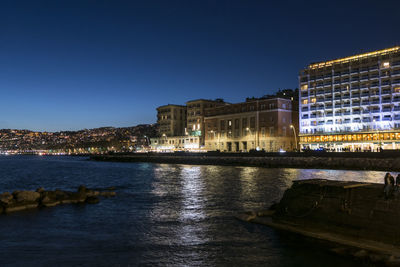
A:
[(299, 161), (355, 217)]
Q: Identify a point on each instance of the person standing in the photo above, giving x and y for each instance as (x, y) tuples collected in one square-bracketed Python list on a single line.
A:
[(389, 185)]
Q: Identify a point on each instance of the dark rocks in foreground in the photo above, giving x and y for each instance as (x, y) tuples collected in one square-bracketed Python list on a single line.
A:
[(23, 200), (354, 217)]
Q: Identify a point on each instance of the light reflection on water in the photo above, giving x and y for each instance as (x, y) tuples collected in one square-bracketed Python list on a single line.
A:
[(343, 175), (198, 204), (164, 214)]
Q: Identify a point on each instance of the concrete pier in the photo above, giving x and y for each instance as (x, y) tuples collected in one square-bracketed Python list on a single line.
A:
[(355, 161)]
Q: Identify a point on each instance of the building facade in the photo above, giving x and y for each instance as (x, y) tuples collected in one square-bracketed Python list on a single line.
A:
[(257, 124), (351, 103), (175, 143), (182, 127), (195, 116), (171, 120)]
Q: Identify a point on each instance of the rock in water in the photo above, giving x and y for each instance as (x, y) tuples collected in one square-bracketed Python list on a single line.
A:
[(82, 189), (92, 200), (26, 196), (49, 199), (22, 200), (6, 198), (40, 190), (108, 194)]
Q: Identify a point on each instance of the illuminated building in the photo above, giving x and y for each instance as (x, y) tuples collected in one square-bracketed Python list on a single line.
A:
[(175, 143), (171, 120), (195, 116), (351, 103), (258, 124), (181, 127)]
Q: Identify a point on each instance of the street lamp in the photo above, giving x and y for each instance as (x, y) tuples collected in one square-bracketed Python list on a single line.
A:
[(249, 130), (294, 132), (165, 136)]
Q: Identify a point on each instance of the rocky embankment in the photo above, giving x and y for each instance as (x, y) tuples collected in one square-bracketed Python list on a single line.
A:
[(304, 162), (22, 200), (355, 218)]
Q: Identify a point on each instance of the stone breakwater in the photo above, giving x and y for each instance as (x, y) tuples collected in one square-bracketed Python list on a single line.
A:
[(355, 218), (303, 162), (22, 200)]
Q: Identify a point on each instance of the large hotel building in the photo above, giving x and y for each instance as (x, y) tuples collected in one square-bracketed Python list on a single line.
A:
[(351, 103)]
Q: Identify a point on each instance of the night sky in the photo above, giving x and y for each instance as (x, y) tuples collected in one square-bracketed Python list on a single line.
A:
[(67, 65)]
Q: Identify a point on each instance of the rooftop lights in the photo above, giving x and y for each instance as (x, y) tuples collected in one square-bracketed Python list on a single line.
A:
[(356, 57)]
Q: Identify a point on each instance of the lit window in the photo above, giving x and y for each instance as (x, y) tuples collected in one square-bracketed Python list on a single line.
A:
[(304, 87), (313, 100), (397, 89), (385, 64), (305, 101)]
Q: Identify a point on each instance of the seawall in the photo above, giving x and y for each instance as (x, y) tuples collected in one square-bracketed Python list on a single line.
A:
[(377, 162), (357, 218)]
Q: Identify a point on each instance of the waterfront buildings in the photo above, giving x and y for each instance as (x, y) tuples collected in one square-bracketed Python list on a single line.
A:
[(195, 116), (171, 120), (268, 124), (175, 143), (182, 127), (351, 103)]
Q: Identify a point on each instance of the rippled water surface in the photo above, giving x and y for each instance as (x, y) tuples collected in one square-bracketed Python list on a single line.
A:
[(163, 214)]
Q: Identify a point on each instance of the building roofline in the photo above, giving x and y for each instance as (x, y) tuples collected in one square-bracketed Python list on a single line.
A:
[(247, 102), (267, 98), (328, 63), (202, 99), (171, 105)]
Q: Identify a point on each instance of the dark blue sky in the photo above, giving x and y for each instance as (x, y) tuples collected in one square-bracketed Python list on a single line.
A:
[(68, 65)]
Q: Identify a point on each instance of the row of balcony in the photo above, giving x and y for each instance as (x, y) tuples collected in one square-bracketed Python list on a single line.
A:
[(353, 95), (363, 78), (346, 82), (357, 120), (346, 93), (393, 65), (373, 109), (362, 87), (348, 112), (356, 102)]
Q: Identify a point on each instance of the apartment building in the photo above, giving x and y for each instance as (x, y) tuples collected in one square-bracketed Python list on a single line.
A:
[(171, 120), (268, 124), (182, 127), (195, 116), (351, 103)]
